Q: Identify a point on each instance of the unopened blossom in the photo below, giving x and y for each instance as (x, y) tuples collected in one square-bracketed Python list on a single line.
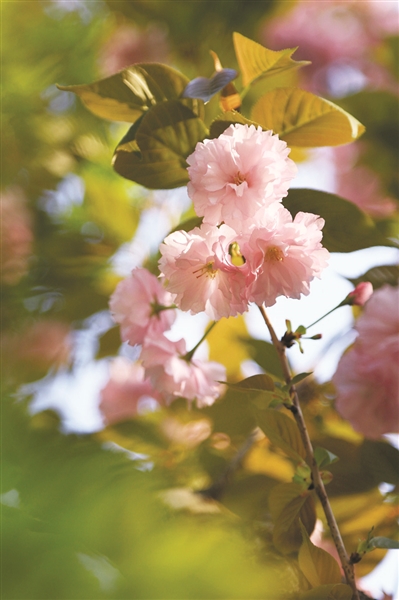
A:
[(127, 385), (199, 271), (285, 257), (136, 305), (362, 292), (234, 175), (367, 377), (176, 377)]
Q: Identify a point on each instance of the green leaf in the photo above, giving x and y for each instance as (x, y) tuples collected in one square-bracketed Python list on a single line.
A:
[(303, 119), (222, 122), (282, 432), (379, 276), (297, 379), (383, 542), (324, 457), (347, 228), (265, 355), (156, 157), (334, 591), (257, 61), (255, 383), (288, 503), (126, 95), (318, 566)]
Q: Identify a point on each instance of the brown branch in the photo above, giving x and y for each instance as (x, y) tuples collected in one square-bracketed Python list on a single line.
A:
[(296, 410)]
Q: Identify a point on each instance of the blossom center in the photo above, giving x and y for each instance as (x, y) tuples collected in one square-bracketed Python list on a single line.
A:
[(274, 254), (207, 270), (239, 178)]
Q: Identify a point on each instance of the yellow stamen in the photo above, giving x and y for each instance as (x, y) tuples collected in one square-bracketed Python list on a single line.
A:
[(239, 178), (207, 270), (274, 254)]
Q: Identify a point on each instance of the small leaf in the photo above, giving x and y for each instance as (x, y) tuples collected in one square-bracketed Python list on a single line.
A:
[(257, 61), (127, 94), (332, 591), (303, 119), (204, 88), (255, 383), (324, 457), (346, 228), (156, 157), (318, 566), (295, 380), (282, 432), (383, 542)]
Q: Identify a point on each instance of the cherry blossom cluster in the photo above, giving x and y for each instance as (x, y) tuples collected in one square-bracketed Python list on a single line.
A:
[(248, 248), (145, 313), (367, 377)]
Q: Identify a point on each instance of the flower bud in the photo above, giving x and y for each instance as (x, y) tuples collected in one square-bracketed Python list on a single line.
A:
[(360, 294)]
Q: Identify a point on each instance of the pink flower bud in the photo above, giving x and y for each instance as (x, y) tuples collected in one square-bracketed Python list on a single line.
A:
[(361, 293)]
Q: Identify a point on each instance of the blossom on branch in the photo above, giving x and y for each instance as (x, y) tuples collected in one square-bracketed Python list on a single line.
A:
[(367, 377), (285, 257), (234, 175), (199, 270), (177, 377), (137, 304)]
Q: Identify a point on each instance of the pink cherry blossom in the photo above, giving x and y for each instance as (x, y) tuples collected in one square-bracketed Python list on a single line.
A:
[(361, 293), (135, 306), (285, 257), (234, 175), (199, 271), (367, 377), (176, 377), (126, 386), (16, 237)]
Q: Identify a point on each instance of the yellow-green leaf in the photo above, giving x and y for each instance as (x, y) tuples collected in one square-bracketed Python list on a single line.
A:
[(257, 61), (288, 503), (303, 119), (127, 94), (154, 153), (282, 432), (318, 566), (222, 122), (332, 591)]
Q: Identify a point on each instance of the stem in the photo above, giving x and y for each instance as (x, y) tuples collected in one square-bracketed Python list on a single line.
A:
[(296, 410), (190, 354), (320, 318)]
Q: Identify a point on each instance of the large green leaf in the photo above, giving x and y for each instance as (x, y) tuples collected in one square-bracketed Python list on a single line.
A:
[(282, 432), (127, 94), (347, 228), (154, 154), (265, 355), (331, 591), (303, 119), (222, 122), (318, 566), (257, 61)]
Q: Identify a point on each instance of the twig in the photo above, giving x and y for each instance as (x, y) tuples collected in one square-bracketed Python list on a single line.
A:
[(317, 482)]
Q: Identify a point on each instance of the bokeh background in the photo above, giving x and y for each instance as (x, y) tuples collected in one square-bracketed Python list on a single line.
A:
[(81, 519)]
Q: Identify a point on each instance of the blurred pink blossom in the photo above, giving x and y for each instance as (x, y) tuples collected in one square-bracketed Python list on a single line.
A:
[(128, 45), (338, 37), (126, 386), (175, 377), (135, 305), (16, 236), (234, 175), (367, 377)]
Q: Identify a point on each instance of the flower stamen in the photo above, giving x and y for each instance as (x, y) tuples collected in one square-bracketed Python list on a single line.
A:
[(273, 254), (207, 270)]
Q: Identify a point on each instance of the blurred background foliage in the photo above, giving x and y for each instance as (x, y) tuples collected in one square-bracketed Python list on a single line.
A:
[(94, 515)]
